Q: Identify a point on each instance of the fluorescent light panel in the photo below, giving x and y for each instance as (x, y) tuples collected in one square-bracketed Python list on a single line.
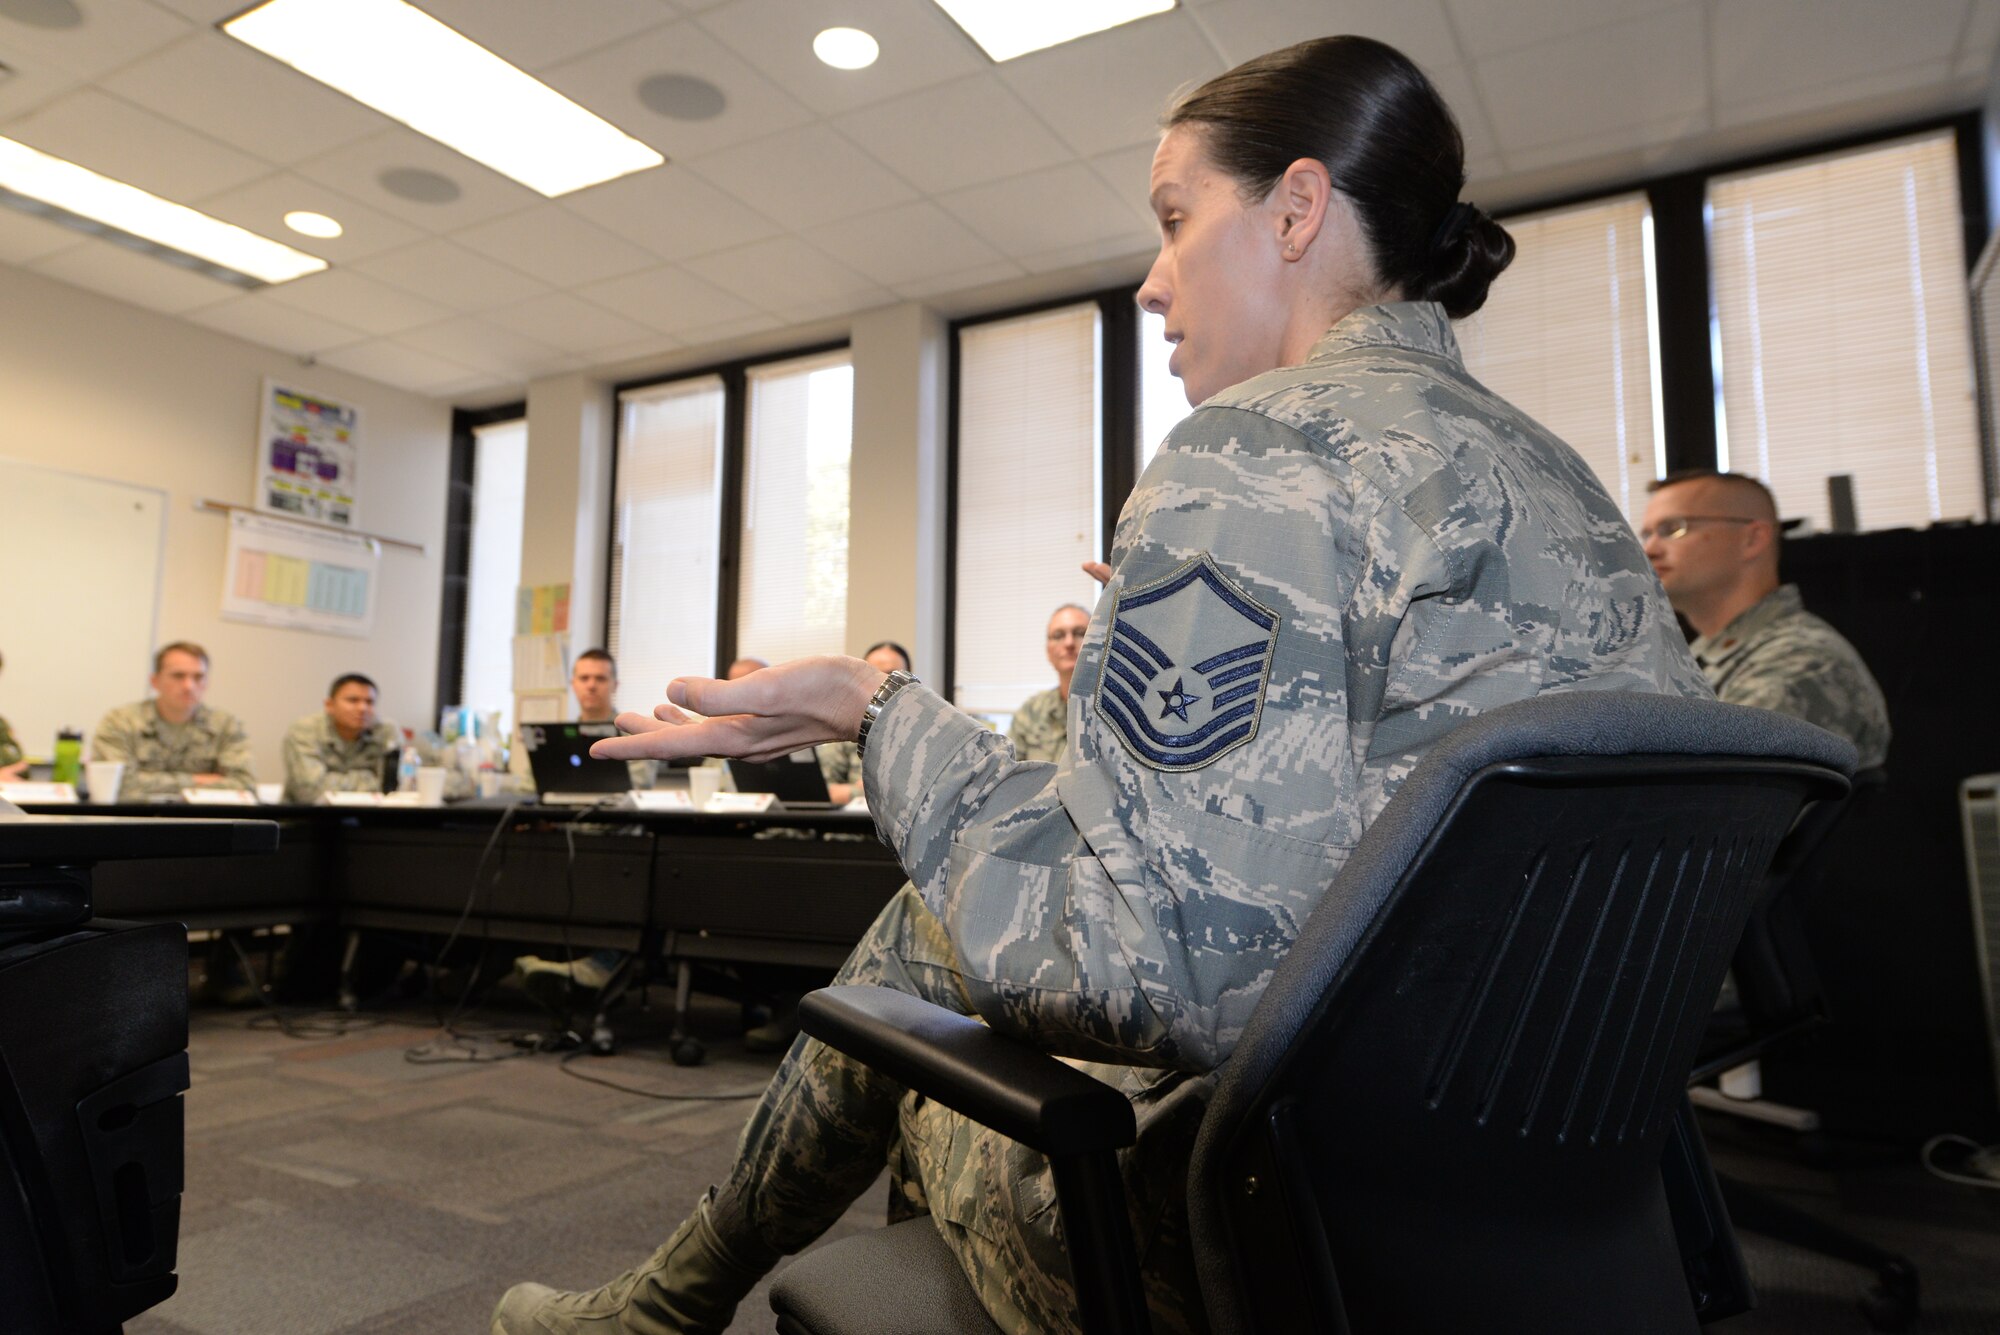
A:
[(79, 197), (405, 64), (1008, 28)]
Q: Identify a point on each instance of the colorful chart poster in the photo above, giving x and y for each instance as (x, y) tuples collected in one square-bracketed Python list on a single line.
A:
[(286, 574), (307, 454)]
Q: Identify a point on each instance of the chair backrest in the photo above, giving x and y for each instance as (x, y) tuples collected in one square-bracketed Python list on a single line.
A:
[(1449, 1110)]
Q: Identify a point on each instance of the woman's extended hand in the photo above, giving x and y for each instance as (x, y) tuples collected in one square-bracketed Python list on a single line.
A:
[(767, 714)]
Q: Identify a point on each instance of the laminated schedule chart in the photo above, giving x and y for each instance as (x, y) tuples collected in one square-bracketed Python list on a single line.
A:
[(285, 574)]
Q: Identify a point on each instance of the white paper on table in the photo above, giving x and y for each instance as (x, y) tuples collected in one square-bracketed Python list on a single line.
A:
[(38, 792), (740, 804), (219, 797)]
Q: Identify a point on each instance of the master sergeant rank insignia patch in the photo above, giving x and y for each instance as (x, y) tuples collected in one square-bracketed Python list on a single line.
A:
[(1186, 667)]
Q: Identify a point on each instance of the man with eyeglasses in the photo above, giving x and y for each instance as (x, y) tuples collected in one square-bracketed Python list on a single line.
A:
[(1040, 730), (1713, 540)]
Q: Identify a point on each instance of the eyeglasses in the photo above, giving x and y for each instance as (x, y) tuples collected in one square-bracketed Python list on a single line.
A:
[(1677, 527), (1076, 633)]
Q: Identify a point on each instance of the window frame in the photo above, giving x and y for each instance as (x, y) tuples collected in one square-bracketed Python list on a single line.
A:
[(735, 377), (461, 473)]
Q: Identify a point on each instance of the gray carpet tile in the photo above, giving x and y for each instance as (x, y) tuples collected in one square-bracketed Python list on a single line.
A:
[(336, 1188)]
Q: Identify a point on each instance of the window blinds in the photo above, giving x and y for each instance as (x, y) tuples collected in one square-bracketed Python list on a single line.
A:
[(791, 587), (666, 526), (499, 506), (1566, 336), (1029, 433), (1841, 311)]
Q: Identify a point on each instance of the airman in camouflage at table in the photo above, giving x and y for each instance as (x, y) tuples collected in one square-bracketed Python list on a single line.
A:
[(1040, 727), (174, 741), (342, 748), (10, 750)]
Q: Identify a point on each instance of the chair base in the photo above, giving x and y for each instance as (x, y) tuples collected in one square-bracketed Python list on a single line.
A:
[(1890, 1304)]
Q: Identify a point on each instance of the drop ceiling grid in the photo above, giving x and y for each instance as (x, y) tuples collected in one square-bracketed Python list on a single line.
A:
[(817, 193)]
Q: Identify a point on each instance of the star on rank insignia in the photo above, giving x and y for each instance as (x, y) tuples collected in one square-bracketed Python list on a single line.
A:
[(1199, 648)]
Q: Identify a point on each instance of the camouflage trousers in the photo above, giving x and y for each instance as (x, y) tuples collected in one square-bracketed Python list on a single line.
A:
[(827, 1124)]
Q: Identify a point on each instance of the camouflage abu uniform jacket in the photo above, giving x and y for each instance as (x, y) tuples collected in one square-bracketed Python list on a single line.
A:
[(10, 750), (1323, 570), (1040, 730), (319, 760), (162, 757), (1781, 657)]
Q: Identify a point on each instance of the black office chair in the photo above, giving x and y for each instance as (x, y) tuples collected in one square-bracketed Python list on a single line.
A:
[(1460, 1104), (1779, 997)]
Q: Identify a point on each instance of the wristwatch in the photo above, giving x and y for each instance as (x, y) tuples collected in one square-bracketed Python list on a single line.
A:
[(894, 682)]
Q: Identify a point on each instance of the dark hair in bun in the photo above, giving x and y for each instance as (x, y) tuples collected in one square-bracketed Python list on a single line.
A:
[(1389, 144)]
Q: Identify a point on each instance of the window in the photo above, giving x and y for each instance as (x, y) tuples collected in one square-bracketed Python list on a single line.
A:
[(666, 525), (1840, 312), (791, 586), (1027, 500), (1162, 400), (1566, 336), (493, 568)]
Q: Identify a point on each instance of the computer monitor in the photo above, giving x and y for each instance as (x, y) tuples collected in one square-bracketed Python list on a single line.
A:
[(564, 769), (795, 779)]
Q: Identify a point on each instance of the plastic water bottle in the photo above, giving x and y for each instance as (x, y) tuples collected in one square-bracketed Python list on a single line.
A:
[(406, 768)]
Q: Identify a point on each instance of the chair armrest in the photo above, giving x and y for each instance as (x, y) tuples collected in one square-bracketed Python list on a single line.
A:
[(997, 1081)]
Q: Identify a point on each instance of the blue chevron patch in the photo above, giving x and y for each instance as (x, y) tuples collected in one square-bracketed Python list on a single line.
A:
[(1186, 667)]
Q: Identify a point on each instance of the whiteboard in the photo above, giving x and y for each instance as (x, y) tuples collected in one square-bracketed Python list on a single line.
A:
[(79, 596)]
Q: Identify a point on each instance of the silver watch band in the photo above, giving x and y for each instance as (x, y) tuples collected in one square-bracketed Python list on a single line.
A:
[(894, 682)]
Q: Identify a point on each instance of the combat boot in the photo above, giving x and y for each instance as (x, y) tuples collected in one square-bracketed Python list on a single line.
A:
[(690, 1286)]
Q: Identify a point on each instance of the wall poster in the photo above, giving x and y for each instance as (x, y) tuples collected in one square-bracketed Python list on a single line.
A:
[(307, 451), (285, 574)]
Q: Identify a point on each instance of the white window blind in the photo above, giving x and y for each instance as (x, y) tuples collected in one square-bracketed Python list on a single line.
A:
[(791, 587), (493, 570), (1029, 434), (1841, 310), (666, 526), (1162, 400), (1567, 336)]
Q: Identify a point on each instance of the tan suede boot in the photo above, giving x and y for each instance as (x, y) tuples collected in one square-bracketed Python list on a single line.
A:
[(690, 1286)]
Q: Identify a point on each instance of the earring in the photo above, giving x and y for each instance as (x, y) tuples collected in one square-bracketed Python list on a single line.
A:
[(1291, 249)]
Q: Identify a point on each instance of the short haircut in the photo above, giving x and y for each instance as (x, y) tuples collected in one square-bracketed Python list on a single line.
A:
[(350, 679), (188, 647), (1739, 482), (909, 665), (1072, 607), (604, 654)]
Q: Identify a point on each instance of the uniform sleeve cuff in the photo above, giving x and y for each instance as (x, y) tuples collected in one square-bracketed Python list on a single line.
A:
[(915, 739)]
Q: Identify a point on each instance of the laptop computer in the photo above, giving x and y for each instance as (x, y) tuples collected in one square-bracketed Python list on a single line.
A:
[(566, 774), (795, 780)]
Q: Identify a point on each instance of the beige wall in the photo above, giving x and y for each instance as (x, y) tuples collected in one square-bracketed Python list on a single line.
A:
[(95, 386)]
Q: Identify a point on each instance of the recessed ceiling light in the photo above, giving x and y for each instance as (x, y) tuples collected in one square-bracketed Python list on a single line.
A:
[(846, 48), (81, 198), (307, 223), (399, 60), (43, 13), (1008, 28), (683, 97), (419, 186)]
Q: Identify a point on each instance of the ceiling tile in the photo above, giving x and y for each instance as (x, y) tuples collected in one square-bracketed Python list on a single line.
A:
[(960, 282), (22, 90), (534, 33), (1090, 252), (789, 278), (556, 246), (668, 299), (1628, 143), (110, 136), (1129, 173), (671, 212), (357, 300), (262, 205), (903, 244), (810, 170), (1454, 85), (1845, 93), (1491, 27), (1765, 48), (483, 347), (131, 276), (570, 324), (258, 319), (1975, 45), (356, 171), (230, 92), (1245, 28), (396, 364), (205, 12), (1043, 211), (452, 276), (732, 329), (920, 46), (24, 237), (607, 82), (1108, 90), (113, 33), (652, 346), (1637, 73), (960, 134)]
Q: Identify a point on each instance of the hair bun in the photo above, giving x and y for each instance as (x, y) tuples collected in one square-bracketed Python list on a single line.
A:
[(1468, 251)]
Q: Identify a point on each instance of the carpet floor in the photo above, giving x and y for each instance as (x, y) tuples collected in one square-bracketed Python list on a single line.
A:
[(347, 1178)]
